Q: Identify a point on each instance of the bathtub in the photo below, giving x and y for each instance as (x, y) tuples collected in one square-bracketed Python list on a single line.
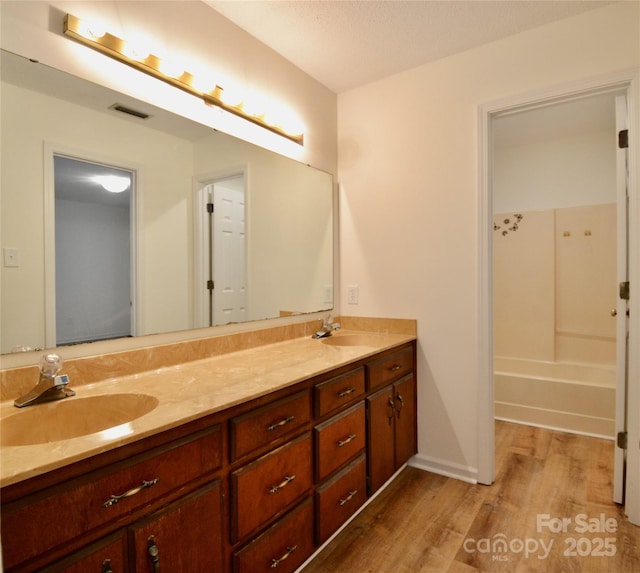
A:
[(575, 398)]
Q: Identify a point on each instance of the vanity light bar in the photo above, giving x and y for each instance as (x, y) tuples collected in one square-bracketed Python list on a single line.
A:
[(118, 49)]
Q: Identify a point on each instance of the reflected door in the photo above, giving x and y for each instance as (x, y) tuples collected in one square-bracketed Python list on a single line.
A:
[(228, 265)]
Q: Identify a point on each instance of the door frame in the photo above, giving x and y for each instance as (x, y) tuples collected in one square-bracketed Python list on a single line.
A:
[(50, 150), (626, 80)]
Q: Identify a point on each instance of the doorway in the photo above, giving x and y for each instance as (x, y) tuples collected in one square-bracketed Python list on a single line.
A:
[(554, 265), (92, 238), (626, 82)]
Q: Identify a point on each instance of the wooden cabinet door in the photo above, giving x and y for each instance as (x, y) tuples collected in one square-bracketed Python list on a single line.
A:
[(381, 432), (185, 536), (406, 442), (104, 556)]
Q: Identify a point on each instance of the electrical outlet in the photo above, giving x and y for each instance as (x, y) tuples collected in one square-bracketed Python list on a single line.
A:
[(353, 294)]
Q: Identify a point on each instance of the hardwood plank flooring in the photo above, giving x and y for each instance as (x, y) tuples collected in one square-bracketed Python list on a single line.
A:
[(424, 522)]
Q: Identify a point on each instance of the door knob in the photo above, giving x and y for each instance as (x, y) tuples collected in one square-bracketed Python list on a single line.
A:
[(614, 312)]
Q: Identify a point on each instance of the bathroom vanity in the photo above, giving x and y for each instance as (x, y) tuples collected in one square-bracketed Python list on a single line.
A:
[(249, 462)]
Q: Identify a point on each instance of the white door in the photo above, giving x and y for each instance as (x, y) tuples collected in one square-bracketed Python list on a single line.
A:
[(621, 310), (228, 264)]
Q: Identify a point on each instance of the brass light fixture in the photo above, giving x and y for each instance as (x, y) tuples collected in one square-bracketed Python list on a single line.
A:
[(162, 69)]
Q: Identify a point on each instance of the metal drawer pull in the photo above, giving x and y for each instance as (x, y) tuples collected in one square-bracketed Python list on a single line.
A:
[(348, 439), (346, 499), (401, 402), (395, 367), (346, 392), (286, 420), (276, 562), (277, 488), (116, 498), (106, 566)]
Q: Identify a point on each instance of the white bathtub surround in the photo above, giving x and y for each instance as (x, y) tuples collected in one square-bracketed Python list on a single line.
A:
[(578, 398)]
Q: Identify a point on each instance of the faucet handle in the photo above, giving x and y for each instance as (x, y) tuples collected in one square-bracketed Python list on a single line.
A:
[(50, 365)]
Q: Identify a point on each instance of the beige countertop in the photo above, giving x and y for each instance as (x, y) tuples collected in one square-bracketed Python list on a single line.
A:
[(186, 392)]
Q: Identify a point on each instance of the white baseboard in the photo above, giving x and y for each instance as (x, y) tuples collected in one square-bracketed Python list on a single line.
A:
[(444, 467)]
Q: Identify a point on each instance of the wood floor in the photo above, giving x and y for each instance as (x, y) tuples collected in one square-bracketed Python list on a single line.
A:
[(425, 522)]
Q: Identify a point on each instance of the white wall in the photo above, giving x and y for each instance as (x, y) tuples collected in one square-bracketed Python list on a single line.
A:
[(409, 201), (578, 170)]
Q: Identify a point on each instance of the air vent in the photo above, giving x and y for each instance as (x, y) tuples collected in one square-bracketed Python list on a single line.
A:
[(134, 112)]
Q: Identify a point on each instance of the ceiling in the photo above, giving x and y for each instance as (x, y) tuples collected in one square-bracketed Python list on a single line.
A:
[(348, 43)]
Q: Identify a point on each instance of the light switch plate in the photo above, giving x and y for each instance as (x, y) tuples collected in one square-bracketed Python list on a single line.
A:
[(10, 257)]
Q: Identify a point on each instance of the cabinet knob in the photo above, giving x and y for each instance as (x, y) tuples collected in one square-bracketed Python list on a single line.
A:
[(153, 552), (106, 566)]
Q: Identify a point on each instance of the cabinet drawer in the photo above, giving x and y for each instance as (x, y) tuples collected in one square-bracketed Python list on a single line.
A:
[(266, 487), (338, 391), (283, 547), (339, 498), (267, 424), (89, 502), (339, 439), (389, 368)]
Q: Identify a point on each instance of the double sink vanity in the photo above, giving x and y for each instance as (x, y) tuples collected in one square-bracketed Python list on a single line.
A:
[(240, 461)]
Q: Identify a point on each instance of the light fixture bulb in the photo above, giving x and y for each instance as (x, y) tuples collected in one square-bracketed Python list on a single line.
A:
[(231, 96), (171, 68), (289, 122), (254, 105), (92, 30), (135, 51), (255, 108), (113, 183), (203, 84)]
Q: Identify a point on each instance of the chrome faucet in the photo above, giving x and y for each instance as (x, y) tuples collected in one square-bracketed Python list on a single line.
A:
[(327, 328), (51, 385)]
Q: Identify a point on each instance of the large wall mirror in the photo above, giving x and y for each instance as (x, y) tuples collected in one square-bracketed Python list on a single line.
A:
[(263, 250)]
